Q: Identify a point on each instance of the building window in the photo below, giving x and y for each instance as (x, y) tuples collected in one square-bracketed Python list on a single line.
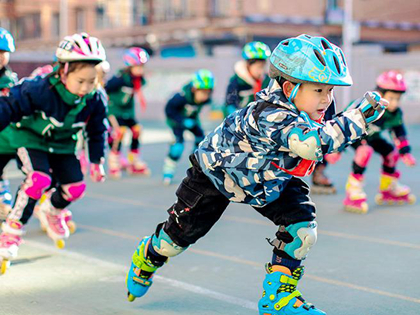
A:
[(141, 12), (29, 26), (220, 8), (80, 20), (55, 25)]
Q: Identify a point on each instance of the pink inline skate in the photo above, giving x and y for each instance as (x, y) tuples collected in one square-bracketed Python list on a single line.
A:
[(392, 192), (355, 200)]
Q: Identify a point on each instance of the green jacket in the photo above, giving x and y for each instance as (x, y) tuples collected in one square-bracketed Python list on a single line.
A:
[(8, 79), (120, 90)]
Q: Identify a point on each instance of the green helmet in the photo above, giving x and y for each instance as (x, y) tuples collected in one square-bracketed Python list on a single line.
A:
[(203, 79), (256, 50)]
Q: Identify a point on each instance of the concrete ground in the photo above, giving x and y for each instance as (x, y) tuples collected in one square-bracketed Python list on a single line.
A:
[(362, 264)]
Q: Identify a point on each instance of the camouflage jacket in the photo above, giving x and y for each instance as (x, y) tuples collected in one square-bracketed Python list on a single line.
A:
[(248, 157)]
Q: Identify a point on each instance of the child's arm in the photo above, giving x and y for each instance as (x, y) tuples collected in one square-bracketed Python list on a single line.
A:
[(174, 109), (17, 104), (114, 84), (232, 97), (399, 134), (312, 141)]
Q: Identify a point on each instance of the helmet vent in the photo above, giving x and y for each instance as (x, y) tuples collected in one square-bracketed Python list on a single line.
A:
[(319, 57), (325, 45), (286, 43), (342, 58), (307, 36), (337, 65)]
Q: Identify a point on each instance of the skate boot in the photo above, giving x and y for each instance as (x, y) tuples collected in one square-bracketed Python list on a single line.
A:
[(356, 200), (114, 166), (5, 199), (320, 182), (53, 221), (169, 168), (140, 277), (10, 240), (135, 165), (392, 192), (280, 296)]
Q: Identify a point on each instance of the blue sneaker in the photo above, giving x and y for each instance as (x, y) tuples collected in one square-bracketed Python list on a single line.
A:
[(140, 277), (280, 296)]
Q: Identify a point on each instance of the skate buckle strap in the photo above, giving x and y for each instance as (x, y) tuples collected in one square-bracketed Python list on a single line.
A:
[(141, 281), (284, 301), (287, 280)]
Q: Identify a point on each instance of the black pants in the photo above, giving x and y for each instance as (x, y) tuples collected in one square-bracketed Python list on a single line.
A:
[(4, 159), (200, 205), (379, 145), (64, 168)]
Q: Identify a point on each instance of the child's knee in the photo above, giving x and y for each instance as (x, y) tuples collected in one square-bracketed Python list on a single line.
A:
[(73, 191), (36, 183)]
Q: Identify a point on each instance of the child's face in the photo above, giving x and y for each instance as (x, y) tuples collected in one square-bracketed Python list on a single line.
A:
[(201, 96), (314, 99), (393, 99), (257, 69), (82, 81), (137, 71), (4, 58)]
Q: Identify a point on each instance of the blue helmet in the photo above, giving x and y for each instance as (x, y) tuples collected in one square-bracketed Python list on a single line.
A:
[(203, 79), (7, 43), (256, 50), (309, 59)]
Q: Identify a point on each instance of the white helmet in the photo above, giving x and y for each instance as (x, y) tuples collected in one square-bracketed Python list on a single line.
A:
[(80, 47)]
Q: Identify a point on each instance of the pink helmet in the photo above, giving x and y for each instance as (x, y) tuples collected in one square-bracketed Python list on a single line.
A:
[(135, 56), (80, 47), (40, 71), (391, 80)]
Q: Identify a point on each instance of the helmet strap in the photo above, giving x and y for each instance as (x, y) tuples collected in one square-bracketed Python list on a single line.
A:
[(292, 96)]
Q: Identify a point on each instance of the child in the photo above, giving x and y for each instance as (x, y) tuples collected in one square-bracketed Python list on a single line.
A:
[(249, 77), (48, 113), (182, 113), (122, 88), (7, 80), (256, 157), (391, 86)]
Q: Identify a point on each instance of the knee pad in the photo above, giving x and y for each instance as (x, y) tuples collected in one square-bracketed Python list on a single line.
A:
[(175, 151), (165, 246), (303, 236), (135, 130), (36, 183), (73, 191), (391, 159), (363, 154)]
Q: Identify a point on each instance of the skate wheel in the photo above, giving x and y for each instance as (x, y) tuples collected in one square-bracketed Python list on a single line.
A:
[(72, 226), (379, 200), (130, 297), (60, 244), (411, 199), (5, 264), (362, 210)]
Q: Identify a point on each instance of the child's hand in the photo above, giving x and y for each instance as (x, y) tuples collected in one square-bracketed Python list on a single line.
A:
[(408, 159), (189, 123), (97, 173), (333, 158), (372, 106)]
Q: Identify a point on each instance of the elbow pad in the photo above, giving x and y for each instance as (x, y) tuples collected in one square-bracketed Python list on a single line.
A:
[(306, 145)]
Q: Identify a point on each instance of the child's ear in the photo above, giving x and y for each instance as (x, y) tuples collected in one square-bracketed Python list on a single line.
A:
[(287, 88)]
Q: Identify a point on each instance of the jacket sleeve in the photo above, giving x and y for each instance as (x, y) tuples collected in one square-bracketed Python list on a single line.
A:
[(232, 94), (174, 108), (311, 140), (399, 134), (114, 84), (18, 104), (96, 128)]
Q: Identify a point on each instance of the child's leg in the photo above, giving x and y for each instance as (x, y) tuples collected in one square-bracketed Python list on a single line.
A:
[(136, 165), (71, 187), (390, 190), (175, 152), (198, 207), (115, 160), (5, 194), (294, 213), (35, 166), (320, 182), (199, 135), (356, 199)]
